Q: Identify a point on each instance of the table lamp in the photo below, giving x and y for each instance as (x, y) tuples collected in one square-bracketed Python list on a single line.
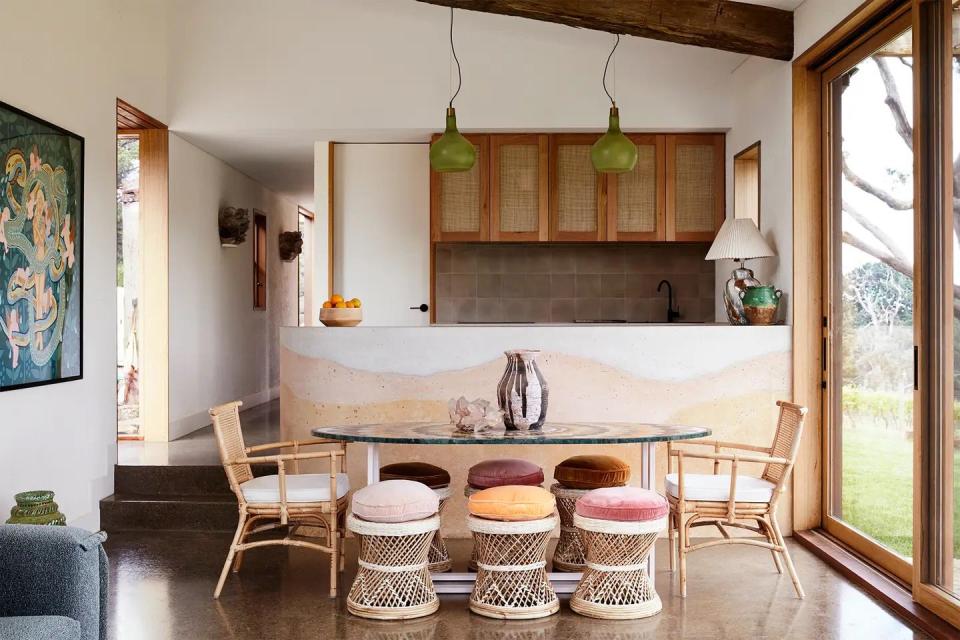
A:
[(739, 239)]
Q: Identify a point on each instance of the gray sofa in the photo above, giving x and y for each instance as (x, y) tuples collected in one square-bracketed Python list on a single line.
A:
[(53, 583)]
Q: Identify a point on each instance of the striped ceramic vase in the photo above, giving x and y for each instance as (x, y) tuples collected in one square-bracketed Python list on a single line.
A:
[(522, 392)]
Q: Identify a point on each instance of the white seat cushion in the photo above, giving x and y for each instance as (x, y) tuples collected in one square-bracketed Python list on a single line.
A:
[(307, 487), (711, 488)]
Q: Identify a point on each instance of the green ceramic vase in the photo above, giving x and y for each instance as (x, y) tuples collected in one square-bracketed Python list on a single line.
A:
[(760, 304), (36, 507)]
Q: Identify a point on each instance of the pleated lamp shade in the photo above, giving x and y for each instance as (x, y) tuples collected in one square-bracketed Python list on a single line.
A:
[(739, 239)]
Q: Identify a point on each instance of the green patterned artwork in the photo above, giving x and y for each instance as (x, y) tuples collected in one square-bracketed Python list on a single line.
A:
[(41, 220)]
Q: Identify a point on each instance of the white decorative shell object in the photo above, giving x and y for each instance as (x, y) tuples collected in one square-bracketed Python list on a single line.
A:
[(473, 417)]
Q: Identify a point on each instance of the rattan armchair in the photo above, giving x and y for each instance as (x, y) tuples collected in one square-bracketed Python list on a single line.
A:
[(283, 500), (734, 500)]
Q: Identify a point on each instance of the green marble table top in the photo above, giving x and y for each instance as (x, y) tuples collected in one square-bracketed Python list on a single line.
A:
[(550, 433)]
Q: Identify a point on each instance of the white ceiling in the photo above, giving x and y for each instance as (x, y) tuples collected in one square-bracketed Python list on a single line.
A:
[(258, 84)]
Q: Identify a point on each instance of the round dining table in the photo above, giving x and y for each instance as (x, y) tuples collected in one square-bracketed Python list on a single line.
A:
[(551, 433)]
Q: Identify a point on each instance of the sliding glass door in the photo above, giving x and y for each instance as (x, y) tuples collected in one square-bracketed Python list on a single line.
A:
[(869, 323)]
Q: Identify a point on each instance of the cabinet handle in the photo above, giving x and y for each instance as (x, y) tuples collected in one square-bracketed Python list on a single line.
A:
[(423, 307)]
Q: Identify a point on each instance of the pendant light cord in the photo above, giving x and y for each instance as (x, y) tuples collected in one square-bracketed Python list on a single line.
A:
[(457, 60), (607, 65)]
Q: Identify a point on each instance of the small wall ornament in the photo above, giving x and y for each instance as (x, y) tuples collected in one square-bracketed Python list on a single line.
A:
[(233, 225), (291, 245)]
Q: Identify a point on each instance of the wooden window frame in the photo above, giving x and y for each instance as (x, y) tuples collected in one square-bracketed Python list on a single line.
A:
[(659, 234), (556, 235), (543, 170), (718, 141), (259, 244), (748, 157)]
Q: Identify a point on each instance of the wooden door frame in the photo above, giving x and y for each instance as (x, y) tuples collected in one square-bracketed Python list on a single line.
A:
[(658, 141), (498, 140)]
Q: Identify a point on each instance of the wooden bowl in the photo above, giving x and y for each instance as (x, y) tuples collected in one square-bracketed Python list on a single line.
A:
[(341, 317)]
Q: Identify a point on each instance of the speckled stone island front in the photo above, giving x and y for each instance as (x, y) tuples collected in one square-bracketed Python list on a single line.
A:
[(550, 433)]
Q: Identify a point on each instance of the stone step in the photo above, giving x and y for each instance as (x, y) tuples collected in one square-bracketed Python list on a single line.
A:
[(137, 512), (184, 480)]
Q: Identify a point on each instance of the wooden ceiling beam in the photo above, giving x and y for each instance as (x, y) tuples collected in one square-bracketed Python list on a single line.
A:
[(739, 27)]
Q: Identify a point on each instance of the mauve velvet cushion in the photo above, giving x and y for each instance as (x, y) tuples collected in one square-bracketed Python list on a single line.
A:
[(592, 472), (623, 504), (512, 503), (504, 471), (395, 501), (429, 474)]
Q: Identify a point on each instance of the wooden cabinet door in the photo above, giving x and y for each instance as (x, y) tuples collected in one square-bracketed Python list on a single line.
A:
[(518, 187), (636, 199), (459, 201), (577, 191), (695, 186)]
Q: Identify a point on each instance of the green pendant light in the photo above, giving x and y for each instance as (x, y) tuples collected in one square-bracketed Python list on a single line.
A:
[(451, 151), (613, 152)]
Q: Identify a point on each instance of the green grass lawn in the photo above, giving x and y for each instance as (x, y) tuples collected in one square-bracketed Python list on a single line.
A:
[(878, 487)]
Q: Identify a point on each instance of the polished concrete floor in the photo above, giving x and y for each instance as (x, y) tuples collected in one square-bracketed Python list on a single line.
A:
[(261, 424), (162, 587)]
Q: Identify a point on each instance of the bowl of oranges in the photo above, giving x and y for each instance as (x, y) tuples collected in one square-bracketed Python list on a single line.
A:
[(339, 312)]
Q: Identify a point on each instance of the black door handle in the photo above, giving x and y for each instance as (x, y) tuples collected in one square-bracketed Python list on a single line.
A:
[(422, 307)]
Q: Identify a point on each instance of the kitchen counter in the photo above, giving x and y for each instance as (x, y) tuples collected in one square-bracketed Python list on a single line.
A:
[(718, 376)]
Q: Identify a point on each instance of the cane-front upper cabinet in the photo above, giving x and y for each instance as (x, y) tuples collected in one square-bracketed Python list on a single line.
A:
[(459, 200), (577, 191), (636, 199), (695, 186), (518, 187)]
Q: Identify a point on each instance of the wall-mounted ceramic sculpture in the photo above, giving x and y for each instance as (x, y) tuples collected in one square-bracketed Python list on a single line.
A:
[(233, 225), (291, 245)]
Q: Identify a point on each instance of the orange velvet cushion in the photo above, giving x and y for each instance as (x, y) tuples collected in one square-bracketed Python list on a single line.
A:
[(422, 472), (592, 472), (512, 503)]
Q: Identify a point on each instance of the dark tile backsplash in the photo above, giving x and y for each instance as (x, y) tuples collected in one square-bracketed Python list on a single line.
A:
[(569, 283)]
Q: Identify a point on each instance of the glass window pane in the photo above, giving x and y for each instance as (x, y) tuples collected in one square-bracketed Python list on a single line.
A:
[(872, 450)]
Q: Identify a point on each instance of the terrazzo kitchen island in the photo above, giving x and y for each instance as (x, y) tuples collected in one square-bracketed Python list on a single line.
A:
[(722, 377)]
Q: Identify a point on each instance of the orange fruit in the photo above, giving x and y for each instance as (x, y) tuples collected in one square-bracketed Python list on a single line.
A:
[(335, 298), (356, 302), (349, 304), (327, 305), (340, 305)]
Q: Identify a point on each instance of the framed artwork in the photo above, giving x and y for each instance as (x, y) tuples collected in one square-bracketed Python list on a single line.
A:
[(41, 252)]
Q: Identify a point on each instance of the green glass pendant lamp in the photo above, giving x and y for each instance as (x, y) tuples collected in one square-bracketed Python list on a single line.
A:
[(451, 151), (613, 152)]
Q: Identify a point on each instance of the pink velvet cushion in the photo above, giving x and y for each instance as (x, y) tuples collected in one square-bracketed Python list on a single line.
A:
[(503, 472), (395, 501), (623, 504)]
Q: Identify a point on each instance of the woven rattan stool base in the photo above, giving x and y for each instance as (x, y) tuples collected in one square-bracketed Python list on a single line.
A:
[(512, 581), (438, 560), (568, 554), (393, 582), (615, 585)]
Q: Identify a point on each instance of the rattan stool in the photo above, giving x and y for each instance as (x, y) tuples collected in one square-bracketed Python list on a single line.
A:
[(615, 585), (568, 554), (512, 580), (393, 582), (438, 560)]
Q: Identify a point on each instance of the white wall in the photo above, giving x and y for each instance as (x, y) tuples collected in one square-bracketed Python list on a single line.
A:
[(66, 69), (221, 348)]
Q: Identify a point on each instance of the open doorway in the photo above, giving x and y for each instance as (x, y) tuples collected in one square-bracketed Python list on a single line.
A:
[(141, 280)]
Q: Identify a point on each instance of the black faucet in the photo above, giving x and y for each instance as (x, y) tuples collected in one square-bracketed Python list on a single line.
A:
[(671, 313)]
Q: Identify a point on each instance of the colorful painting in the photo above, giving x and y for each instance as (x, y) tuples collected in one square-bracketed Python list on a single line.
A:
[(41, 220)]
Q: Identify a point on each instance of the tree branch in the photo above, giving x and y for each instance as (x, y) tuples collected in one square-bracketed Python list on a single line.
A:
[(885, 238), (887, 198), (894, 103)]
